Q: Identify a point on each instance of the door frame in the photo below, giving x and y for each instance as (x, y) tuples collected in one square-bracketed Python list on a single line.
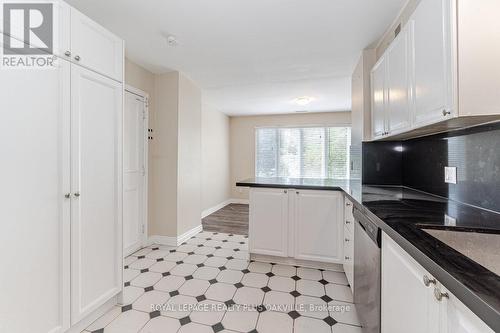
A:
[(142, 94)]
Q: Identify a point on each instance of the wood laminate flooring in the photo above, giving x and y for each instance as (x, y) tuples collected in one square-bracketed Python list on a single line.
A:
[(232, 219)]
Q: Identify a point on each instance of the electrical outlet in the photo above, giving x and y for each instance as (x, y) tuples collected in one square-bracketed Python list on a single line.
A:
[(450, 221), (450, 175)]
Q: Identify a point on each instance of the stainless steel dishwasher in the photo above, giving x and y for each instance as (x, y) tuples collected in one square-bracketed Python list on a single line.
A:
[(367, 236)]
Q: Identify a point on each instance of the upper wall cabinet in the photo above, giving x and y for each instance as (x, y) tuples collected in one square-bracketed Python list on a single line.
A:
[(94, 47), (391, 89), (441, 71), (433, 62)]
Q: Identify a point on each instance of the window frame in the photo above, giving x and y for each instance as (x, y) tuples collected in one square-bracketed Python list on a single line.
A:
[(326, 152)]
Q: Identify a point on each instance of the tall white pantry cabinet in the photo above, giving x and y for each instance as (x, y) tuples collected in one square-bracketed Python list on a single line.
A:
[(61, 187)]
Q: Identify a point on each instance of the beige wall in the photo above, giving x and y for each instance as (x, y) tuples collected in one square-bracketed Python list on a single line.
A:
[(242, 140), (214, 157), (189, 156), (164, 149)]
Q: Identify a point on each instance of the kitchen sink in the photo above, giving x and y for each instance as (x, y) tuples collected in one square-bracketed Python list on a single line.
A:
[(481, 247)]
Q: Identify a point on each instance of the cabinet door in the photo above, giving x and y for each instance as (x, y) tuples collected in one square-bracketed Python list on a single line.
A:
[(35, 213), (94, 47), (407, 304), (96, 242), (398, 82), (268, 228), (379, 98), (457, 318), (433, 62), (319, 226)]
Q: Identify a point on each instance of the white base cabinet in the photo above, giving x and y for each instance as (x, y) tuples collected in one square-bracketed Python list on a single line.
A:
[(349, 242), (268, 227), (408, 298), (300, 224)]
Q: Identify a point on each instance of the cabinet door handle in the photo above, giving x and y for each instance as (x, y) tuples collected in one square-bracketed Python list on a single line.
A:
[(347, 240), (67, 195), (297, 192), (285, 191), (67, 53), (428, 281), (77, 194), (445, 113), (347, 204), (439, 295), (77, 58), (347, 258), (347, 222)]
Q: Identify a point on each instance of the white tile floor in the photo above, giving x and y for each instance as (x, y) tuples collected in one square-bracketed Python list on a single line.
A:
[(208, 285)]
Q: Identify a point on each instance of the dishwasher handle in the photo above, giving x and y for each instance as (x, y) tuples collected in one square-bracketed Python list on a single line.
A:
[(368, 226)]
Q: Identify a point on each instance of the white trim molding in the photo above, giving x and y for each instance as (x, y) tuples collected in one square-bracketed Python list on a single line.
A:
[(172, 240), (223, 204)]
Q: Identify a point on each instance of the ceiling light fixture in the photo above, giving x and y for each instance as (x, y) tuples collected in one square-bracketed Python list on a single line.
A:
[(304, 100)]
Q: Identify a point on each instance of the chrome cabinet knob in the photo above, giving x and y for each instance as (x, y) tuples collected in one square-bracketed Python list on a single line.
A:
[(347, 240), (67, 195), (77, 58), (347, 258), (440, 295), (67, 53), (428, 281), (285, 191), (445, 113), (77, 194), (347, 204), (297, 192), (347, 222)]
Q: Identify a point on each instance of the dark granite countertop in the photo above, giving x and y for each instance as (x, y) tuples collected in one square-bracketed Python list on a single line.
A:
[(401, 213)]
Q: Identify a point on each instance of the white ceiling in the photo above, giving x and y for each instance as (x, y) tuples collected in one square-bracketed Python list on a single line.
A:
[(252, 56)]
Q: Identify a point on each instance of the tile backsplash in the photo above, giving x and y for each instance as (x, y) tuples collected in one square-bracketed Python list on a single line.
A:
[(419, 164)]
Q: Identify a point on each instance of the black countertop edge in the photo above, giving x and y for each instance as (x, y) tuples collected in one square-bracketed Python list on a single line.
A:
[(489, 312)]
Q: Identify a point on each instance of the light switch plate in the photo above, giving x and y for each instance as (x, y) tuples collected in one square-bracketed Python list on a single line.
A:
[(450, 175)]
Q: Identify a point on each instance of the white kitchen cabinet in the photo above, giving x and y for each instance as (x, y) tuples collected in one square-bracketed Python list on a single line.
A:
[(318, 226), (457, 318), (379, 98), (35, 214), (349, 242), (399, 96), (451, 71), (61, 192), (391, 89), (94, 47), (408, 305), (409, 302), (96, 131), (299, 224), (433, 62), (268, 222)]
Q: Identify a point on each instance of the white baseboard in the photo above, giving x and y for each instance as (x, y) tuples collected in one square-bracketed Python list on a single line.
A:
[(174, 241), (215, 208)]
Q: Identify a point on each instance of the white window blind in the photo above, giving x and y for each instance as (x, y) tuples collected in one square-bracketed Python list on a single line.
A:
[(308, 152)]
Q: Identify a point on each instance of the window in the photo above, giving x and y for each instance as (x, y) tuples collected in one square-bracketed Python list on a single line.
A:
[(309, 152)]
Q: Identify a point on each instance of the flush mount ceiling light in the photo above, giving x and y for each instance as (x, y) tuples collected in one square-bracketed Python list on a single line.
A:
[(304, 100)]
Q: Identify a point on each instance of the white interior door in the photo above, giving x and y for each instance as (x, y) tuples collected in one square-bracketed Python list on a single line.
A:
[(134, 175), (35, 215), (96, 242)]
